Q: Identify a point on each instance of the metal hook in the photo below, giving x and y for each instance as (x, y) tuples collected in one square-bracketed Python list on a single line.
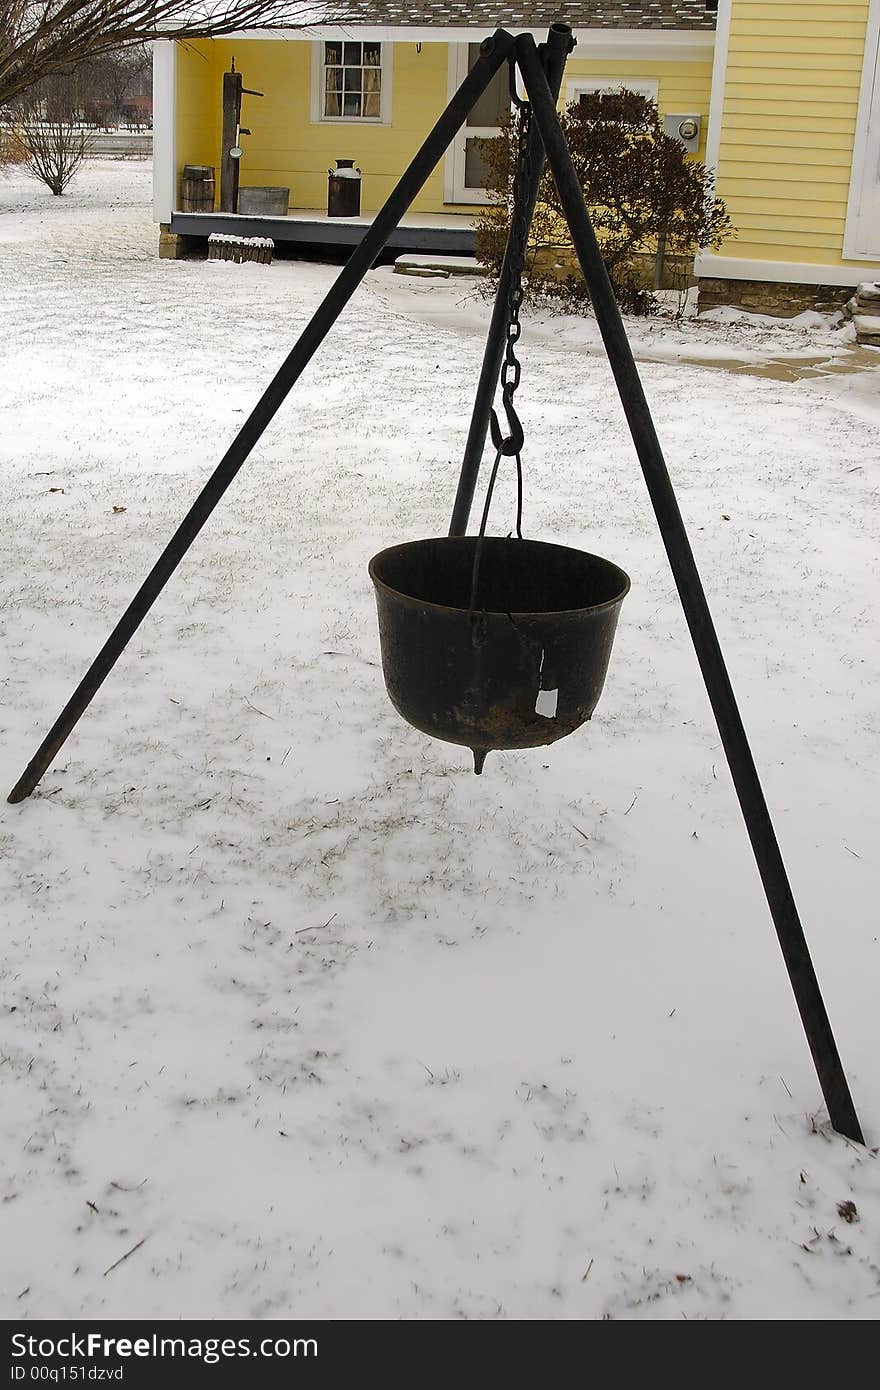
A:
[(514, 442), (515, 98)]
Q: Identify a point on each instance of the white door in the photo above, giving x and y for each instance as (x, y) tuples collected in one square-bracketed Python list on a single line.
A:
[(465, 165), (863, 215)]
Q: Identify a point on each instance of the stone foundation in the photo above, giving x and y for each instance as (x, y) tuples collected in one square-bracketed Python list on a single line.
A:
[(771, 297), (559, 261), (174, 248), (170, 246)]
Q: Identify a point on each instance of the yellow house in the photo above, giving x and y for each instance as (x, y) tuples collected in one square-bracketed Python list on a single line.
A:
[(372, 90), (784, 96)]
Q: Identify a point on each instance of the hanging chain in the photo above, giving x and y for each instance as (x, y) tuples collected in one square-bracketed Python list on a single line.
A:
[(511, 368)]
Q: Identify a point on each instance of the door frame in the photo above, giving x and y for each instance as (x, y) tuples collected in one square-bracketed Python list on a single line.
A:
[(455, 191), (861, 238)]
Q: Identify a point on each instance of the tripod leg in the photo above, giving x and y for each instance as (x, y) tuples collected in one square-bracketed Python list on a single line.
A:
[(494, 54), (777, 888), (554, 53)]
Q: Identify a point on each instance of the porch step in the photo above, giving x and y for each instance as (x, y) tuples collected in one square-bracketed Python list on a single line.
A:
[(425, 272), (440, 266)]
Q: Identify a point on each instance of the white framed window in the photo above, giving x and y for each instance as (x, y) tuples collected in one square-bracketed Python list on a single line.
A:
[(351, 82), (577, 87)]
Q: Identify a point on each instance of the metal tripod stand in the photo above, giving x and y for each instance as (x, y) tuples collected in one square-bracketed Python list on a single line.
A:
[(541, 72)]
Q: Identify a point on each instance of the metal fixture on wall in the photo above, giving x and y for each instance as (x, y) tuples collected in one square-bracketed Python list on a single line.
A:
[(684, 127)]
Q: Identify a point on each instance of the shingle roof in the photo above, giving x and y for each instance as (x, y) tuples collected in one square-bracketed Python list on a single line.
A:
[(525, 14)]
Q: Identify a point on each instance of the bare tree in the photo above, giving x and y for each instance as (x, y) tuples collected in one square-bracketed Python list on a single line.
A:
[(39, 38), (55, 150), (119, 72), (48, 131), (101, 88)]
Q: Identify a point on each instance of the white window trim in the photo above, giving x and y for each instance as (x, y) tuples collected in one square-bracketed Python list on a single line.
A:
[(857, 235), (576, 87), (317, 103)]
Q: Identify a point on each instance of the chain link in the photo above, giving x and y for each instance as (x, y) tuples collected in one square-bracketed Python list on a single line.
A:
[(511, 369)]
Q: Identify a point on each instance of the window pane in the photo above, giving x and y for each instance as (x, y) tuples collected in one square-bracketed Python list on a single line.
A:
[(333, 79), (475, 166), (352, 81), (372, 55), (332, 54), (351, 105), (332, 106), (494, 104), (371, 104), (353, 53)]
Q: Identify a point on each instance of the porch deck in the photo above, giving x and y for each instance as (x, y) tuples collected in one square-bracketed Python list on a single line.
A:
[(448, 233)]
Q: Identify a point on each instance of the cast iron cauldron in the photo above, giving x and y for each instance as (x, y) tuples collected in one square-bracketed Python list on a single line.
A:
[(525, 667)]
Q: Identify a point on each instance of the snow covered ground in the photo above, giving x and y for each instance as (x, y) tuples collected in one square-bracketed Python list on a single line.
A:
[(335, 1028)]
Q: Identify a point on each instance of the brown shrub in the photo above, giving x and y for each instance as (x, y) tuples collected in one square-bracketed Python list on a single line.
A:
[(646, 197)]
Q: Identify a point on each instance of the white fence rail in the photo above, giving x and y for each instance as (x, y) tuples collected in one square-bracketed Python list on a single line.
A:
[(120, 142)]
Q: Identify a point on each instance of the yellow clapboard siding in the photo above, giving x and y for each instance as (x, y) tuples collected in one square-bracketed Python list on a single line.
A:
[(774, 151), (749, 198), (747, 80), (797, 129), (824, 59), (733, 183), (808, 51), (793, 11), (797, 145), (782, 251), (807, 29), (774, 221), (773, 236), (790, 103), (756, 100), (755, 122)]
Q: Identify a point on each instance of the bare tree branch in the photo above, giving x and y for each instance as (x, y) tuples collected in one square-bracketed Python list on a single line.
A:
[(39, 38)]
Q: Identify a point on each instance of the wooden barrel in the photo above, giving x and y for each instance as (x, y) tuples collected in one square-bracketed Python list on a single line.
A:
[(197, 188)]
